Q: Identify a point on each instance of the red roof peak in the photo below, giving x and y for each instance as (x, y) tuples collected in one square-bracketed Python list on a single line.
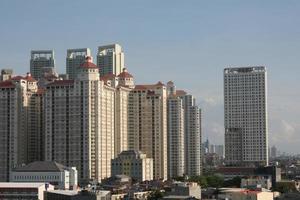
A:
[(29, 77), (88, 63), (125, 74)]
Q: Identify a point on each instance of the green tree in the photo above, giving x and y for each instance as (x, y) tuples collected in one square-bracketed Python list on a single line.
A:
[(154, 195)]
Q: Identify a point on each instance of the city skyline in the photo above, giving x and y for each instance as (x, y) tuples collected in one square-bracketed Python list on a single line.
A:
[(193, 57)]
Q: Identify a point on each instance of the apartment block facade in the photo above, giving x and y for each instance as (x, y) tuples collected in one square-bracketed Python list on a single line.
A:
[(245, 116), (79, 119)]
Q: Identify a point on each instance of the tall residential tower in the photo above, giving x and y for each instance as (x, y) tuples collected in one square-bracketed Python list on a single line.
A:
[(245, 116)]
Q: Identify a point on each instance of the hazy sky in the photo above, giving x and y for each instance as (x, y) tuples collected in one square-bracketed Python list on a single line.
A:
[(189, 42)]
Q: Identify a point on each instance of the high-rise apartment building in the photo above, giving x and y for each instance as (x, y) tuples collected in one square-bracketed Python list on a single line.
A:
[(245, 116), (193, 134), (21, 129), (147, 123), (176, 164), (40, 61), (110, 59), (79, 120), (75, 57)]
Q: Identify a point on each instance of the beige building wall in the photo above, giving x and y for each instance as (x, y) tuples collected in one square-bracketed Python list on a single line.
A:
[(18, 123), (121, 119), (148, 124)]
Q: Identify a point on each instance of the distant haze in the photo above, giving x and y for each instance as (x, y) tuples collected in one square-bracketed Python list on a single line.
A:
[(189, 42)]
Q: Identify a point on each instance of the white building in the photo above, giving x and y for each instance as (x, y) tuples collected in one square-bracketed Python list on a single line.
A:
[(134, 164), (41, 59), (61, 177), (75, 57), (176, 165), (24, 190), (245, 116), (193, 134), (110, 59), (79, 120)]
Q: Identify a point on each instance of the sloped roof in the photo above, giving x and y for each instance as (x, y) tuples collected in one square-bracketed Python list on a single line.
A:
[(125, 74), (88, 63), (7, 84), (41, 166)]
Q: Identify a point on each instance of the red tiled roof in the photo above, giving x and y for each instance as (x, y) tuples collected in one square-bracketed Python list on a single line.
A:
[(148, 87), (160, 83), (180, 92), (88, 63), (30, 78), (61, 83), (125, 74), (17, 78), (108, 76), (7, 84)]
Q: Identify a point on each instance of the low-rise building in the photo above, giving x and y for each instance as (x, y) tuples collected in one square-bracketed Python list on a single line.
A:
[(77, 195), (244, 194), (60, 176), (257, 182), (184, 190), (24, 190), (134, 164)]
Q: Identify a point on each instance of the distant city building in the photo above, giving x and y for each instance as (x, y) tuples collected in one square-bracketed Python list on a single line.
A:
[(6, 74), (75, 57), (134, 164), (273, 153), (61, 177), (24, 190), (219, 150), (79, 123), (41, 59), (245, 116), (21, 123), (147, 124), (110, 59), (176, 165)]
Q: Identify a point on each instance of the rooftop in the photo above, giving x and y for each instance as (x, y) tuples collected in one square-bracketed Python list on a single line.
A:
[(20, 185), (41, 166)]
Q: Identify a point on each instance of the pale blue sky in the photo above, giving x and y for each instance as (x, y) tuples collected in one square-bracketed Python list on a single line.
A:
[(189, 42)]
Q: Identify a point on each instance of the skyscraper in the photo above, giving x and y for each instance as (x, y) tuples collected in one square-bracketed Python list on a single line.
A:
[(75, 57), (193, 135), (79, 120), (110, 59), (41, 59), (245, 116), (175, 137), (176, 164), (21, 127), (147, 125)]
